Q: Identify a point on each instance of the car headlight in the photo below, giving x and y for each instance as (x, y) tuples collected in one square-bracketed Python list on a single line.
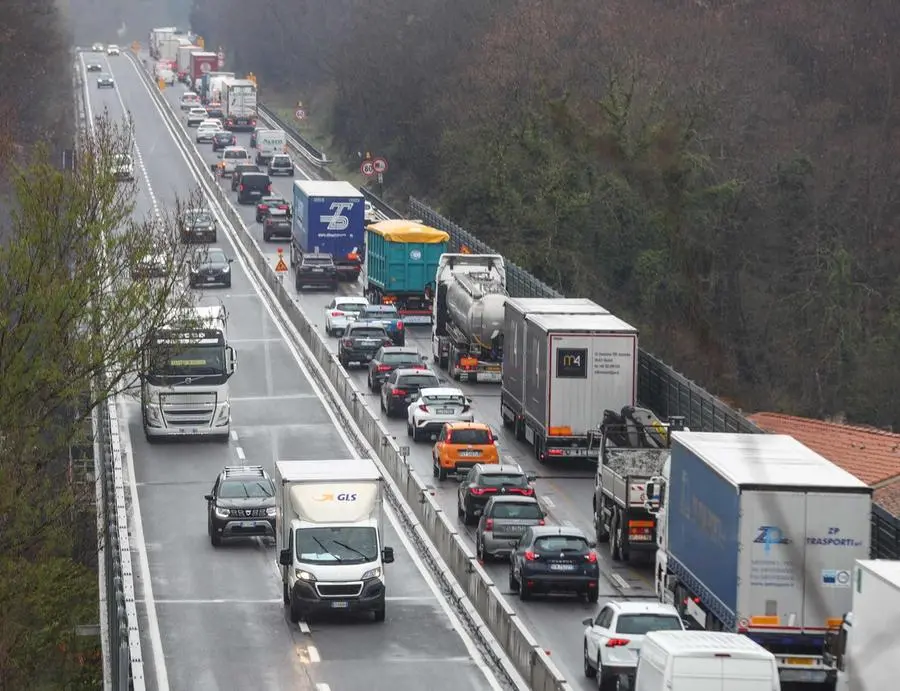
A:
[(226, 270), (270, 511), (222, 513), (372, 573), (304, 575)]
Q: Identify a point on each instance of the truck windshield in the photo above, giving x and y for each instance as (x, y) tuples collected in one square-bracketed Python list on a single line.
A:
[(168, 361), (345, 544)]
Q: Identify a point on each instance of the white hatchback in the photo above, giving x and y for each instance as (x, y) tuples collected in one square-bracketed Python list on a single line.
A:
[(231, 156), (189, 100), (207, 130), (612, 639), (341, 311), (434, 407)]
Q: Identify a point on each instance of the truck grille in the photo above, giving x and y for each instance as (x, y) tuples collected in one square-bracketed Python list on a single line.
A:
[(339, 589), (247, 513), (188, 409)]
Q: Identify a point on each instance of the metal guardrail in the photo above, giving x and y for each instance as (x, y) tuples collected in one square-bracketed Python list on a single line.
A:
[(309, 151)]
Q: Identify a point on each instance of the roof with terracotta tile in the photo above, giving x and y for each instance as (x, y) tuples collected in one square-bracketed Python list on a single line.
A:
[(888, 498), (871, 454)]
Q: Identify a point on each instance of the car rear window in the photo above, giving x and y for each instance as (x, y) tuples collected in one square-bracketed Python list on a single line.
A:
[(420, 380), (367, 333), (470, 436), (349, 307), (444, 399), (400, 358), (641, 624), (501, 479), (236, 154), (517, 511), (255, 179), (561, 543)]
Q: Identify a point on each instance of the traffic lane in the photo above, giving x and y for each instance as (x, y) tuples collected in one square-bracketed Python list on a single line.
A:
[(273, 403)]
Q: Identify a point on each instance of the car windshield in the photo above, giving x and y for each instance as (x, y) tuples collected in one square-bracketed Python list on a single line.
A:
[(104, 76), (190, 361), (444, 399), (367, 333), (199, 217), (272, 201), (400, 358), (212, 256), (641, 624), (561, 543), (346, 544), (528, 510), (420, 380), (470, 436), (354, 307), (224, 135), (501, 479), (257, 488), (122, 159)]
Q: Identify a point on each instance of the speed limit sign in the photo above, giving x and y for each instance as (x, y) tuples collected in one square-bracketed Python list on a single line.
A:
[(367, 168)]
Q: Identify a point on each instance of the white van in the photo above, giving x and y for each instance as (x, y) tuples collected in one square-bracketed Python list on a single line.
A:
[(269, 143), (704, 661)]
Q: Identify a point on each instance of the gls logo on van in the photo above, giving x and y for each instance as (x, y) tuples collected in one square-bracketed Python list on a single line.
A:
[(340, 496)]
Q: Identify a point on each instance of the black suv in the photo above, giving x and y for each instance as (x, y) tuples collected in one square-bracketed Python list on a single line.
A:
[(549, 559), (485, 481), (389, 358), (253, 187), (316, 270), (402, 386), (360, 342), (198, 225), (277, 225), (223, 139), (239, 170), (242, 504)]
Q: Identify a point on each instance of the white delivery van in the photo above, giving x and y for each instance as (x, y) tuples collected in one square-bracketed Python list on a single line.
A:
[(269, 143), (704, 661)]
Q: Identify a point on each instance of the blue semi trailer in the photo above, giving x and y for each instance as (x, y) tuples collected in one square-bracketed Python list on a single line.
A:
[(329, 218)]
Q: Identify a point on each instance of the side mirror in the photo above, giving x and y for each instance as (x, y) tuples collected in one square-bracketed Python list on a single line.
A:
[(230, 261), (468, 400), (424, 358), (531, 477), (592, 543), (230, 360), (587, 622), (284, 557), (208, 497), (387, 555)]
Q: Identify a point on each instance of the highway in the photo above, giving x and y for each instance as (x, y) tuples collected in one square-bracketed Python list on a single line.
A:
[(212, 618), (564, 491)]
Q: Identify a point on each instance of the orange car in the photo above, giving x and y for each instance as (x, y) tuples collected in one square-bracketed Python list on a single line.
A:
[(461, 445)]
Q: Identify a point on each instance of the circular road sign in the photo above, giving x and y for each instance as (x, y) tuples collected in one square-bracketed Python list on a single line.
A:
[(300, 114), (205, 67), (380, 165), (367, 168)]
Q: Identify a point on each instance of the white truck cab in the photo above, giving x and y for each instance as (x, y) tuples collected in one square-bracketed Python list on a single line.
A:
[(329, 536), (704, 661)]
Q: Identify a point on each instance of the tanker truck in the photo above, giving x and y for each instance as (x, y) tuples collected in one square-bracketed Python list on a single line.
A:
[(467, 316)]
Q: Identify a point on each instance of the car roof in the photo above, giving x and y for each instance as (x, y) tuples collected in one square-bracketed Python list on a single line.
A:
[(441, 390), (563, 530), (468, 425), (277, 214), (411, 371), (239, 471), (498, 468), (235, 148), (400, 349), (513, 499), (642, 607), (352, 300)]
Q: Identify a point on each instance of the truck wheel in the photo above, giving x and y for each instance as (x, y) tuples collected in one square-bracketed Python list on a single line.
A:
[(539, 451), (615, 548), (294, 613), (520, 429), (285, 594), (602, 534)]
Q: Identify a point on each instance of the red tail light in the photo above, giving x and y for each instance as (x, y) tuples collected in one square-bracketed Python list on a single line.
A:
[(398, 392), (241, 188), (489, 524), (522, 491), (253, 123), (423, 408), (591, 557), (399, 326), (530, 556), (617, 642), (481, 491), (262, 207), (384, 368), (269, 189), (337, 314), (348, 343), (283, 207), (542, 522)]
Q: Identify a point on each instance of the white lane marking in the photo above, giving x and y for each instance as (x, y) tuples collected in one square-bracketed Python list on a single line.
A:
[(137, 526), (322, 686), (240, 453), (304, 626), (234, 436), (622, 583), (313, 653), (546, 501), (217, 601), (257, 281), (408, 598)]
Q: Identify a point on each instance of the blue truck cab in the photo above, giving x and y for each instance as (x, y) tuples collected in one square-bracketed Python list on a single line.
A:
[(329, 218), (400, 266)]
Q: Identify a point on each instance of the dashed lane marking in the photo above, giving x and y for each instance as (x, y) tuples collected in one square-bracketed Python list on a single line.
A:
[(234, 435), (240, 453), (322, 686), (304, 627), (621, 582), (313, 653)]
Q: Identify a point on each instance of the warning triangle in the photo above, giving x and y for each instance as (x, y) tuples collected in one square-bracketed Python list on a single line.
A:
[(280, 267)]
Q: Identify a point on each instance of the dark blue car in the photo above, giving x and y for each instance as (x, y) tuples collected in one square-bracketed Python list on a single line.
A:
[(388, 317)]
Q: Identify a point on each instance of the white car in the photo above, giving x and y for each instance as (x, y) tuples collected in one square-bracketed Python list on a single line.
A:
[(112, 49), (207, 130), (190, 100), (369, 211), (341, 311), (123, 166), (195, 116), (612, 639), (428, 413), (230, 157), (98, 48)]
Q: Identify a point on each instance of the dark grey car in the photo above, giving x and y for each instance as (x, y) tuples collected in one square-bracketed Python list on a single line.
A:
[(198, 225), (241, 504), (210, 267), (503, 523), (360, 342)]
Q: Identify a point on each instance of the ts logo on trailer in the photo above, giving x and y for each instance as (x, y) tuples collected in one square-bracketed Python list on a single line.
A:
[(338, 220), (340, 496)]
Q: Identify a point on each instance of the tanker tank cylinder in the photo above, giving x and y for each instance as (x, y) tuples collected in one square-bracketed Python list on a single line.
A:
[(477, 309)]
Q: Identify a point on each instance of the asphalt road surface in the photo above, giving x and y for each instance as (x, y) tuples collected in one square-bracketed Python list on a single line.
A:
[(213, 618)]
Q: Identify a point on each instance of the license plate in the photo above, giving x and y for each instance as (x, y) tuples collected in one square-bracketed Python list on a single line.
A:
[(246, 524), (574, 452), (408, 399), (445, 411), (340, 604), (799, 661), (416, 319), (368, 342), (317, 271), (210, 279), (470, 453), (489, 376), (513, 529), (562, 567)]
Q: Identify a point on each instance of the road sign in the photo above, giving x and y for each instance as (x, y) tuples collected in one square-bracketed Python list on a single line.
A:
[(220, 59), (367, 168), (299, 113), (281, 266), (200, 42), (161, 83), (380, 165)]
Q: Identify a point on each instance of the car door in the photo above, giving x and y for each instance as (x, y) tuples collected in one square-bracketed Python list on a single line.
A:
[(516, 554), (599, 632), (463, 488), (328, 310), (387, 386)]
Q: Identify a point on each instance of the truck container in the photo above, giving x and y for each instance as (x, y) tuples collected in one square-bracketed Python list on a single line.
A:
[(329, 217), (568, 369), (865, 648), (401, 261), (211, 86), (201, 62), (467, 316), (183, 62), (156, 38), (269, 143), (759, 535), (239, 104), (168, 48), (329, 534), (634, 446)]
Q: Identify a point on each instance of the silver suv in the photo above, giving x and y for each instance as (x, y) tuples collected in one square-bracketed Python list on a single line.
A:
[(503, 522)]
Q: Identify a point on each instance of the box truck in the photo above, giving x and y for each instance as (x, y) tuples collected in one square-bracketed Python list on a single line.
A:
[(329, 217), (239, 104), (758, 534), (183, 62), (329, 534), (867, 648), (401, 261), (560, 372), (201, 62)]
